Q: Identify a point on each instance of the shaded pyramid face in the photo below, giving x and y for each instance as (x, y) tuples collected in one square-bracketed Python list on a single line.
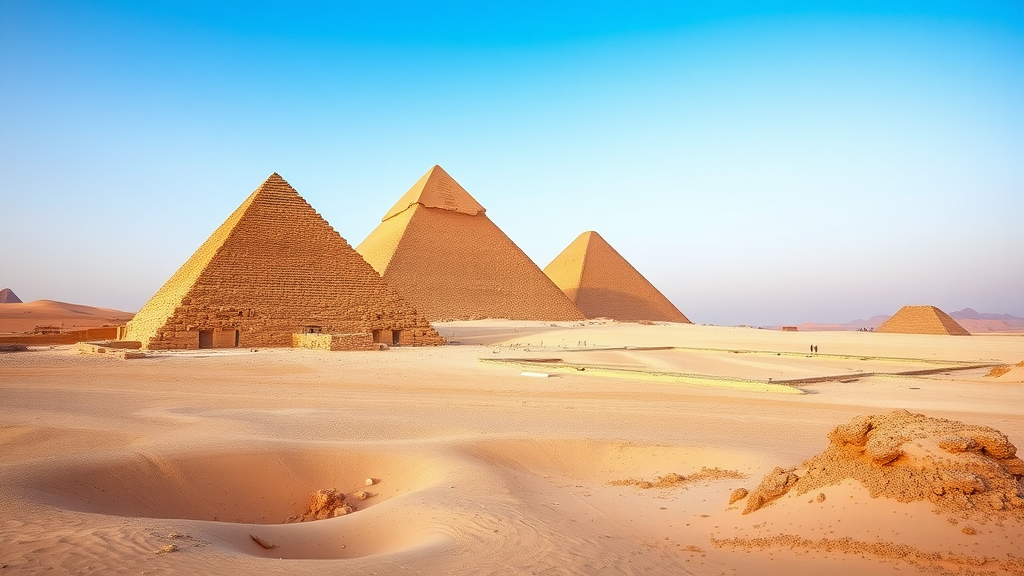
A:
[(922, 320), (603, 284), (438, 249), (274, 268), (7, 296)]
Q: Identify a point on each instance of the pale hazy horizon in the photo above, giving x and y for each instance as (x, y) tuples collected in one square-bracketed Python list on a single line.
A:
[(760, 163)]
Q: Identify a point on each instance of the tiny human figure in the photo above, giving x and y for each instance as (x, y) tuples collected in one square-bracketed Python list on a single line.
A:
[(815, 348), (812, 348)]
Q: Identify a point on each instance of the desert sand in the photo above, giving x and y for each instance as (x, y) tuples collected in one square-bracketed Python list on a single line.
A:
[(621, 457), (26, 316)]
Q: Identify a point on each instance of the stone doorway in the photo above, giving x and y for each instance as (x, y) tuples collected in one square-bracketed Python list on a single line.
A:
[(206, 338)]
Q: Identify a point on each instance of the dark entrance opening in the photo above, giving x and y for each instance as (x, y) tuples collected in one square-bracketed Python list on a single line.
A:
[(396, 337), (206, 338), (236, 338)]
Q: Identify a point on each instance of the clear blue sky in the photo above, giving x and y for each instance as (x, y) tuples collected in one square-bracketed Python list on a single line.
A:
[(761, 162)]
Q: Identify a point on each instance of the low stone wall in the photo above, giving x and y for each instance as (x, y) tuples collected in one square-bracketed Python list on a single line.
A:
[(110, 351), (70, 337), (336, 342)]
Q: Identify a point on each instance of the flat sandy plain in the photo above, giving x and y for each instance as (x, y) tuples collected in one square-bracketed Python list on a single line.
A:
[(479, 469)]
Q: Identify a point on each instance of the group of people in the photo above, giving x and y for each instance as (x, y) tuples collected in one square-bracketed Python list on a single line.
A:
[(814, 348)]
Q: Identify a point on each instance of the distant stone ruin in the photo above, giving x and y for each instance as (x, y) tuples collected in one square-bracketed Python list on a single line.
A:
[(275, 268), (922, 320), (603, 284), (439, 250), (7, 296)]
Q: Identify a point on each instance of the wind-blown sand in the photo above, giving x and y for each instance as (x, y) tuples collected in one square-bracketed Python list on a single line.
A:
[(478, 470), (25, 316)]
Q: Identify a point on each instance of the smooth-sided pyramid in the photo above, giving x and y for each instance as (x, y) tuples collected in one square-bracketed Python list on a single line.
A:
[(439, 250), (603, 284), (274, 268), (922, 320), (7, 296)]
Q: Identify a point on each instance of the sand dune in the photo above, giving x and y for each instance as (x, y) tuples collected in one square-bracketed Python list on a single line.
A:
[(479, 470), (26, 316)]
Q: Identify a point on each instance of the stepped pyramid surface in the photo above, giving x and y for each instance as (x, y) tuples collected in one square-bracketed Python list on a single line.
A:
[(274, 268), (442, 253), (603, 284), (922, 320), (7, 296)]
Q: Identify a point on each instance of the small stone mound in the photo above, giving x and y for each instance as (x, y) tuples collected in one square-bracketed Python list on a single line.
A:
[(323, 504), (998, 371), (910, 457), (737, 495), (166, 549), (673, 480), (774, 485)]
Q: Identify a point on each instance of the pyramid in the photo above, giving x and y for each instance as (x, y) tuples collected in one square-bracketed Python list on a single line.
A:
[(922, 320), (603, 284), (274, 268), (7, 296), (442, 253)]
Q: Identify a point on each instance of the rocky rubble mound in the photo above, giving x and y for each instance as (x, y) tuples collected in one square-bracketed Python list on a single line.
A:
[(323, 504), (910, 457)]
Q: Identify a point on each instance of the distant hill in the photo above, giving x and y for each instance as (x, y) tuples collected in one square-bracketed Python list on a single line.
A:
[(971, 314), (18, 317)]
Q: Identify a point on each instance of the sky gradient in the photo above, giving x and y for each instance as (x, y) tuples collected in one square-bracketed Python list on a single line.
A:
[(760, 162)]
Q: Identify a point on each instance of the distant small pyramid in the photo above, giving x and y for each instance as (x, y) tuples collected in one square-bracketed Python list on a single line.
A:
[(7, 296), (438, 249), (603, 284), (922, 320), (274, 268)]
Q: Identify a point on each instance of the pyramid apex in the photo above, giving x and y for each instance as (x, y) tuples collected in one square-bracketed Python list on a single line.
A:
[(437, 189)]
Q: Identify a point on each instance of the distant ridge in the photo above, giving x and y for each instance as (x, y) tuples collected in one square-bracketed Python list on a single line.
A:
[(24, 317), (971, 314), (7, 296)]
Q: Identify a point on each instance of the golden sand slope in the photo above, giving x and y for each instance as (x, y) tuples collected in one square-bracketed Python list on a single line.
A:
[(24, 317), (200, 456)]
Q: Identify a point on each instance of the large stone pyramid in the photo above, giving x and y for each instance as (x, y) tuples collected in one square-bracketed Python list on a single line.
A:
[(603, 284), (274, 268), (439, 250), (7, 296), (922, 320)]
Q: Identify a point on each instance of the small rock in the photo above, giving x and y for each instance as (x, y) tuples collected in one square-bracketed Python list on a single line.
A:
[(1013, 465), (963, 481), (883, 449), (995, 443), (738, 494), (371, 481), (855, 432), (167, 549), (969, 530), (958, 444), (821, 497)]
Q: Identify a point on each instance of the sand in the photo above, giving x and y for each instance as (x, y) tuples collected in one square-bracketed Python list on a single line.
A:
[(478, 470), (26, 316)]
